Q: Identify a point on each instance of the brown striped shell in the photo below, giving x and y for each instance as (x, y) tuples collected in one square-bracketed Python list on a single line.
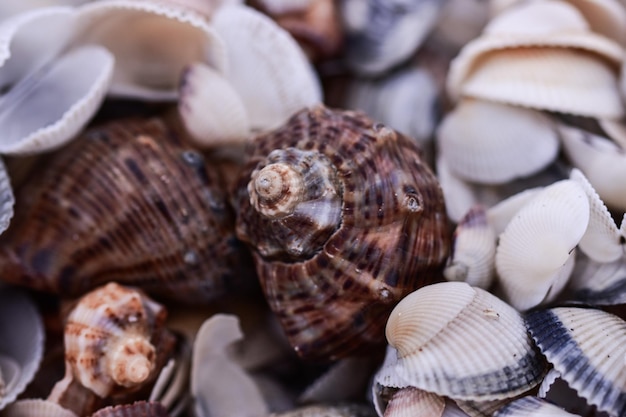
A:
[(344, 219), (124, 202)]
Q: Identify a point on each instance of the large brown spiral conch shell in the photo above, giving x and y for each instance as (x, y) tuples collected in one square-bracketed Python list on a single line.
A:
[(127, 203), (344, 219)]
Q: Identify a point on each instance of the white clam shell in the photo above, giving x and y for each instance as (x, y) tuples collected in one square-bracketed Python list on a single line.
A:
[(473, 250), (535, 253), (602, 162), (532, 24), (212, 111), (458, 193), (606, 17), (265, 66), (462, 342), (7, 199), (602, 241), (36, 407), (21, 342), (152, 43), (557, 79), (595, 283), (532, 407), (68, 91), (615, 129), (588, 348), (500, 214), (413, 402), (493, 143)]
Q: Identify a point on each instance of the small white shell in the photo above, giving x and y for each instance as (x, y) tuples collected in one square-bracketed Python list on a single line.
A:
[(594, 283), (473, 250), (615, 129), (500, 214), (606, 17), (535, 254), (493, 143), (602, 162), (531, 407), (265, 66), (557, 79), (413, 402), (36, 407), (7, 198), (211, 109), (458, 193), (588, 348), (462, 342)]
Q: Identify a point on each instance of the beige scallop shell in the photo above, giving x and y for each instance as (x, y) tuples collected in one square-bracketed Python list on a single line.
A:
[(36, 407), (212, 111), (532, 407), (265, 66), (602, 162), (535, 254), (473, 250), (462, 342), (532, 24), (588, 348), (413, 402), (493, 143), (557, 79), (603, 241)]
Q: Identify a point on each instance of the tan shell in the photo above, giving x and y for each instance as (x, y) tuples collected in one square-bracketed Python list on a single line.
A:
[(413, 402), (462, 342)]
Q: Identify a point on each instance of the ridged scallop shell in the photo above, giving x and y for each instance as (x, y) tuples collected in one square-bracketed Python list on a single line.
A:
[(532, 407), (594, 283), (464, 343), (602, 162), (557, 79), (344, 219), (21, 343), (136, 409), (588, 348), (36, 407), (534, 257), (148, 66), (7, 198), (531, 24), (213, 112), (265, 66), (125, 202), (494, 143), (412, 402), (555, 390), (473, 250), (382, 33), (500, 214)]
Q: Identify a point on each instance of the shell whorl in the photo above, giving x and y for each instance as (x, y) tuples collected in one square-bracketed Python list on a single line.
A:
[(108, 338)]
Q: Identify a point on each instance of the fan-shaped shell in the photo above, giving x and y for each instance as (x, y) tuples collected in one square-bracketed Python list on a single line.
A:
[(462, 342), (557, 79), (493, 143), (594, 283), (124, 202), (534, 257), (532, 407), (351, 220), (588, 348), (500, 214)]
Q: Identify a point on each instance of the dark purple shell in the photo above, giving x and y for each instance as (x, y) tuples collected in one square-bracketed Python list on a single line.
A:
[(358, 240), (124, 203)]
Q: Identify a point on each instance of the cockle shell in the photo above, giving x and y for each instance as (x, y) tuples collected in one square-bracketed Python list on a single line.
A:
[(344, 219), (124, 202), (532, 407), (500, 214), (493, 143), (597, 284), (535, 254), (464, 343), (588, 348)]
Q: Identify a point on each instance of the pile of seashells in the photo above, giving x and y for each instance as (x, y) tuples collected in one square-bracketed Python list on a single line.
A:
[(301, 208)]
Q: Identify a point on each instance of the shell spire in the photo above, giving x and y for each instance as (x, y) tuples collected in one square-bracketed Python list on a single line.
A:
[(344, 219)]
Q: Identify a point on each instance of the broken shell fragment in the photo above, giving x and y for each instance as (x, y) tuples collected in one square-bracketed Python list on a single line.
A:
[(588, 348), (535, 254), (433, 328)]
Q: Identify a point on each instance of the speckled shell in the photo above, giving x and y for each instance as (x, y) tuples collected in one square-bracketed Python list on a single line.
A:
[(124, 203), (332, 277)]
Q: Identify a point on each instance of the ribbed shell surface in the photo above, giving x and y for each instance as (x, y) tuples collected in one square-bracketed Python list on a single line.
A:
[(137, 409), (124, 203), (392, 235)]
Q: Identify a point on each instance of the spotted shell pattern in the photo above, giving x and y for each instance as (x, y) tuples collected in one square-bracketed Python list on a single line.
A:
[(124, 202), (361, 224)]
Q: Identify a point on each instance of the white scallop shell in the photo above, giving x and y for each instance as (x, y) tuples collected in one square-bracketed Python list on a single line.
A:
[(7, 199), (265, 66), (532, 24), (595, 283), (413, 402), (458, 193), (473, 250), (602, 162), (462, 342), (36, 407), (557, 79), (588, 348), (152, 43), (49, 107), (615, 129), (602, 241), (606, 17), (500, 214), (535, 253), (493, 143), (532, 407), (21, 342), (211, 109)]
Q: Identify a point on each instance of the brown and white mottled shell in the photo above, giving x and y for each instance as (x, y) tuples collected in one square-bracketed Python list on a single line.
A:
[(344, 219), (109, 339), (124, 203)]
